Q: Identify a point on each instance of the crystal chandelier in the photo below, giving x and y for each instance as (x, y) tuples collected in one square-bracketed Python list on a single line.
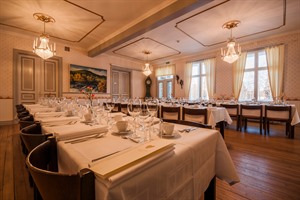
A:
[(147, 70), (232, 54), (44, 50)]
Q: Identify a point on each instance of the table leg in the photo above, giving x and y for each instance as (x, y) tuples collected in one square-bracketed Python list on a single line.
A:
[(210, 193), (221, 124)]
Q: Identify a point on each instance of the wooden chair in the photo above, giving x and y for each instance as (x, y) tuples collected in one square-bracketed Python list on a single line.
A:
[(188, 123), (194, 115), (254, 112), (233, 111), (42, 164), (279, 114), (26, 121), (170, 112), (23, 114), (123, 108)]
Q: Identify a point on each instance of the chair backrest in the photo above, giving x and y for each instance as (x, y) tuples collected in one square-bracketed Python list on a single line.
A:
[(32, 129), (232, 109), (251, 111), (42, 165), (26, 121), (170, 112), (278, 113), (33, 140), (123, 108), (188, 123), (195, 115), (23, 114)]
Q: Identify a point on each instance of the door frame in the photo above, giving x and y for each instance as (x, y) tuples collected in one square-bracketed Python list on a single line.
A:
[(16, 53), (122, 69)]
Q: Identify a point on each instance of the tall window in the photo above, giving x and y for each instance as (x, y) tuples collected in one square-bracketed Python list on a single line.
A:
[(165, 86), (198, 82), (256, 80)]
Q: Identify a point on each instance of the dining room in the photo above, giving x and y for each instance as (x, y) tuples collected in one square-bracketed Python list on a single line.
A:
[(157, 100)]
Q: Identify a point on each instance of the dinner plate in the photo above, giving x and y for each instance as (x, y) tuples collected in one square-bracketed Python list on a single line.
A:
[(86, 122), (174, 135), (122, 132)]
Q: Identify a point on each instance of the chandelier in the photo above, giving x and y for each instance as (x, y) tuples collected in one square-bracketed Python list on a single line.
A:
[(147, 70), (43, 49), (232, 54)]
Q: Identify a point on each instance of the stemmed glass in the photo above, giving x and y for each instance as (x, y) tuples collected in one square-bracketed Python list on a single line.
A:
[(134, 109), (152, 107)]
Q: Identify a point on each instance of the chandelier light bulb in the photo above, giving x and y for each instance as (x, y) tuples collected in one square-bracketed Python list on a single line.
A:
[(232, 53), (41, 45)]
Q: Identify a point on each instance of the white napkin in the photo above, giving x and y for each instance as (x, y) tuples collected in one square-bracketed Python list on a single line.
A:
[(73, 131), (56, 121), (48, 114)]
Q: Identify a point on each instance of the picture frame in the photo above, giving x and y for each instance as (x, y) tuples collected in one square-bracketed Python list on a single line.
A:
[(82, 77)]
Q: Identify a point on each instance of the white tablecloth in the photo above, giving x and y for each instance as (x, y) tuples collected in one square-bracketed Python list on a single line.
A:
[(184, 173)]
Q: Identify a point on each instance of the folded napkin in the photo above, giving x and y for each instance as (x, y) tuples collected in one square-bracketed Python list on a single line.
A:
[(57, 121), (68, 132), (120, 161), (48, 114)]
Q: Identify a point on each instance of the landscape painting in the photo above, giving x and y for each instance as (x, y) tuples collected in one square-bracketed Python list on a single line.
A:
[(81, 77)]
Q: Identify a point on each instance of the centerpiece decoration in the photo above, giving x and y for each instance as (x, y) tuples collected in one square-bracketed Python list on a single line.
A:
[(88, 91)]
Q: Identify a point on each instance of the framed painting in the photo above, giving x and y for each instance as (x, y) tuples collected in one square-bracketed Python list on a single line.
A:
[(81, 77)]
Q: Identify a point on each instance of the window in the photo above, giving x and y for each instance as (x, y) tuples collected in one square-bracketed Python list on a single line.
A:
[(165, 86), (198, 82), (256, 80)]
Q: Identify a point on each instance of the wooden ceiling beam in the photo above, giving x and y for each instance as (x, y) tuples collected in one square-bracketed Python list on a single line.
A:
[(161, 17)]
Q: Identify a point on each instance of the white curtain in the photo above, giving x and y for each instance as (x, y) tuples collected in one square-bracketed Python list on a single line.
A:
[(210, 70), (165, 70), (187, 78), (238, 74), (275, 60)]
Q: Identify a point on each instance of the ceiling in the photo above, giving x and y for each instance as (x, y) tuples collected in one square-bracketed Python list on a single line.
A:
[(166, 28)]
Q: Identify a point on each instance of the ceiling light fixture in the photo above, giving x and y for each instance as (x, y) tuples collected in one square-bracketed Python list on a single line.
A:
[(43, 49), (232, 54), (147, 70)]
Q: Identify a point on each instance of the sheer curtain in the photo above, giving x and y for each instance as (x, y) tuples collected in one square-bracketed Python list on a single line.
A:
[(275, 60), (165, 70), (238, 74), (210, 70), (187, 78)]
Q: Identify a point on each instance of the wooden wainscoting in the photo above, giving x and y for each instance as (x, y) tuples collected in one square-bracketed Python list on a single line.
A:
[(268, 166)]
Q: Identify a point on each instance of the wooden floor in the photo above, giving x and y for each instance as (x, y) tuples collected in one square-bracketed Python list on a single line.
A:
[(268, 166)]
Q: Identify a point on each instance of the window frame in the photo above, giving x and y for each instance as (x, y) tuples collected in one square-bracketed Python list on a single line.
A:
[(256, 69), (201, 76)]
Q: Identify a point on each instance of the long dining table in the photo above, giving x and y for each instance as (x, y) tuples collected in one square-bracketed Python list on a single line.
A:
[(178, 167)]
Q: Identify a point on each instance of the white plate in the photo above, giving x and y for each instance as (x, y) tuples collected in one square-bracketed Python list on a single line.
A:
[(174, 135), (86, 122), (122, 132)]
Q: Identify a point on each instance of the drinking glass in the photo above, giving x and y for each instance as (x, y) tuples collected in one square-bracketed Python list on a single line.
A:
[(134, 109)]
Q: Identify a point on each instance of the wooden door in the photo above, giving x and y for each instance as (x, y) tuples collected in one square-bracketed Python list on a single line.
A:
[(36, 78), (120, 84)]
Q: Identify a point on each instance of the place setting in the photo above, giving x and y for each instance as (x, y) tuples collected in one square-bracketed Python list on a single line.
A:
[(167, 131)]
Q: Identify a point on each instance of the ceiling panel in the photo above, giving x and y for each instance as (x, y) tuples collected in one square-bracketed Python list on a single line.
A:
[(256, 16), (137, 48)]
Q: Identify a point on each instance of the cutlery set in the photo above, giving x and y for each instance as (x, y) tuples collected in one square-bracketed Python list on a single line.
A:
[(187, 130), (85, 138)]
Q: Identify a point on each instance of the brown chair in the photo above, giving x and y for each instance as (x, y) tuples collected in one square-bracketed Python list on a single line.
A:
[(279, 114), (42, 164), (253, 112), (26, 121), (194, 115), (170, 112), (188, 123), (233, 111), (123, 108)]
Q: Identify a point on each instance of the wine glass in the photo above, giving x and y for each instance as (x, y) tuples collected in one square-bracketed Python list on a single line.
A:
[(134, 109), (152, 107)]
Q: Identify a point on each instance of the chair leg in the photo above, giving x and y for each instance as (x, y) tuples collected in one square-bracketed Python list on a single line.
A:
[(237, 123), (260, 126), (292, 132), (245, 126), (268, 127)]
